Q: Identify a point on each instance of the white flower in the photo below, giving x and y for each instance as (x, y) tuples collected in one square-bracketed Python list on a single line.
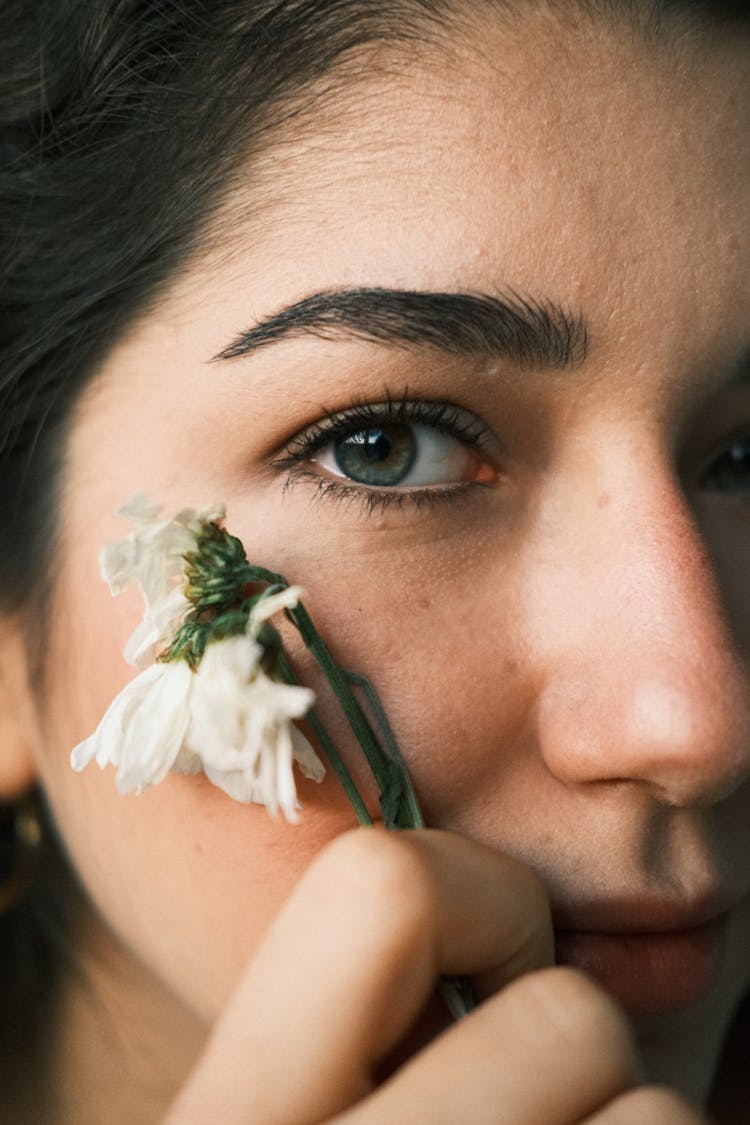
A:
[(153, 555), (228, 718)]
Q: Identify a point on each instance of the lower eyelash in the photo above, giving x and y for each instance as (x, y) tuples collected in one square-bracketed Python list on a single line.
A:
[(372, 501)]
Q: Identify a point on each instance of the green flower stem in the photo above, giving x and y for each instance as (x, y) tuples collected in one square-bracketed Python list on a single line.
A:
[(330, 751), (416, 820), (457, 995), (358, 721), (388, 772), (337, 764)]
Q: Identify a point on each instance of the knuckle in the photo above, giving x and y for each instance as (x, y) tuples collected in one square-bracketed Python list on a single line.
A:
[(378, 872)]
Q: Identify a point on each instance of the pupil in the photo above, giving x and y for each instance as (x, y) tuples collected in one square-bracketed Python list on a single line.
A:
[(381, 456), (375, 446)]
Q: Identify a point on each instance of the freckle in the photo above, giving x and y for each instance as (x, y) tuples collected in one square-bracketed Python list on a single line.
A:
[(423, 603), (603, 500)]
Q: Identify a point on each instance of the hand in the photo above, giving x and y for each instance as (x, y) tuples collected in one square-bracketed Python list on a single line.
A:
[(351, 961)]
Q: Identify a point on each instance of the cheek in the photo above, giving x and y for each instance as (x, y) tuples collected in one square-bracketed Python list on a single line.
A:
[(436, 630), (186, 879)]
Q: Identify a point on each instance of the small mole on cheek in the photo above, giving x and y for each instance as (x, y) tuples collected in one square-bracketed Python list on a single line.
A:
[(602, 500)]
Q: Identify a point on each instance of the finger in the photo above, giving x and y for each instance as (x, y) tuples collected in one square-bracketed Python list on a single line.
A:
[(648, 1105), (551, 1048), (349, 963)]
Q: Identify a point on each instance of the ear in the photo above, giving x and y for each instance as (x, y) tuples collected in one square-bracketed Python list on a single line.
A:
[(18, 770)]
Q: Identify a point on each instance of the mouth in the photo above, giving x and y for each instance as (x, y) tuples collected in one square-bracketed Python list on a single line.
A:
[(653, 962)]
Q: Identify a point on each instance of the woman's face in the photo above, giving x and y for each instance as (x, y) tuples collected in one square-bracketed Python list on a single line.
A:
[(552, 601)]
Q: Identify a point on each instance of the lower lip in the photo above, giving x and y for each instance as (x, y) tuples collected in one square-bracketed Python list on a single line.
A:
[(648, 973)]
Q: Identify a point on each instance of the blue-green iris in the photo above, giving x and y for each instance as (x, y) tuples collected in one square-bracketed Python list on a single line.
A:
[(381, 456)]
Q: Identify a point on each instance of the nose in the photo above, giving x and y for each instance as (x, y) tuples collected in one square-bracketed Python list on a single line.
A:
[(642, 680)]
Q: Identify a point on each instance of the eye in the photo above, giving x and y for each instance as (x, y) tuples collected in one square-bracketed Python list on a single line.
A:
[(400, 449), (730, 472), (397, 454)]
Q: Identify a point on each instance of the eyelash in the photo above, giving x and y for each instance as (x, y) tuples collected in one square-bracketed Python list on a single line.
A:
[(440, 416)]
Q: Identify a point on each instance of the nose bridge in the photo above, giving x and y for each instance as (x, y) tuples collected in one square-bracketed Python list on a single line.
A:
[(660, 574), (643, 681)]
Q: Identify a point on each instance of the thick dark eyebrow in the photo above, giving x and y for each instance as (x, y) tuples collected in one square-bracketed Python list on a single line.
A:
[(536, 334)]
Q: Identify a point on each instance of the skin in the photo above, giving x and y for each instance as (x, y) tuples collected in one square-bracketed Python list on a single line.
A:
[(562, 649)]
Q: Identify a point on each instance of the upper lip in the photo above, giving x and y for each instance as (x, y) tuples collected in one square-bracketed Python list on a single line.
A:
[(645, 914)]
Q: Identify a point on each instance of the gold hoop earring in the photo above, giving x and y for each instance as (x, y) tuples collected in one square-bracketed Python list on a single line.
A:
[(24, 845)]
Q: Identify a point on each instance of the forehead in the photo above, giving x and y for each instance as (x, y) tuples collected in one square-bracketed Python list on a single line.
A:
[(575, 160)]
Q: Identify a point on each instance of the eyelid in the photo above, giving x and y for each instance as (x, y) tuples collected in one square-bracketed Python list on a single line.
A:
[(712, 447), (444, 417), (719, 461)]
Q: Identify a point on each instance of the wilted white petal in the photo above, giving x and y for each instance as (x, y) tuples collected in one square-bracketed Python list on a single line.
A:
[(274, 603), (105, 744), (308, 761), (161, 560), (140, 510), (242, 727), (157, 628), (143, 728), (187, 761), (196, 520), (141, 644), (281, 773), (117, 564), (155, 732), (282, 701), (218, 709), (270, 782), (237, 784)]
